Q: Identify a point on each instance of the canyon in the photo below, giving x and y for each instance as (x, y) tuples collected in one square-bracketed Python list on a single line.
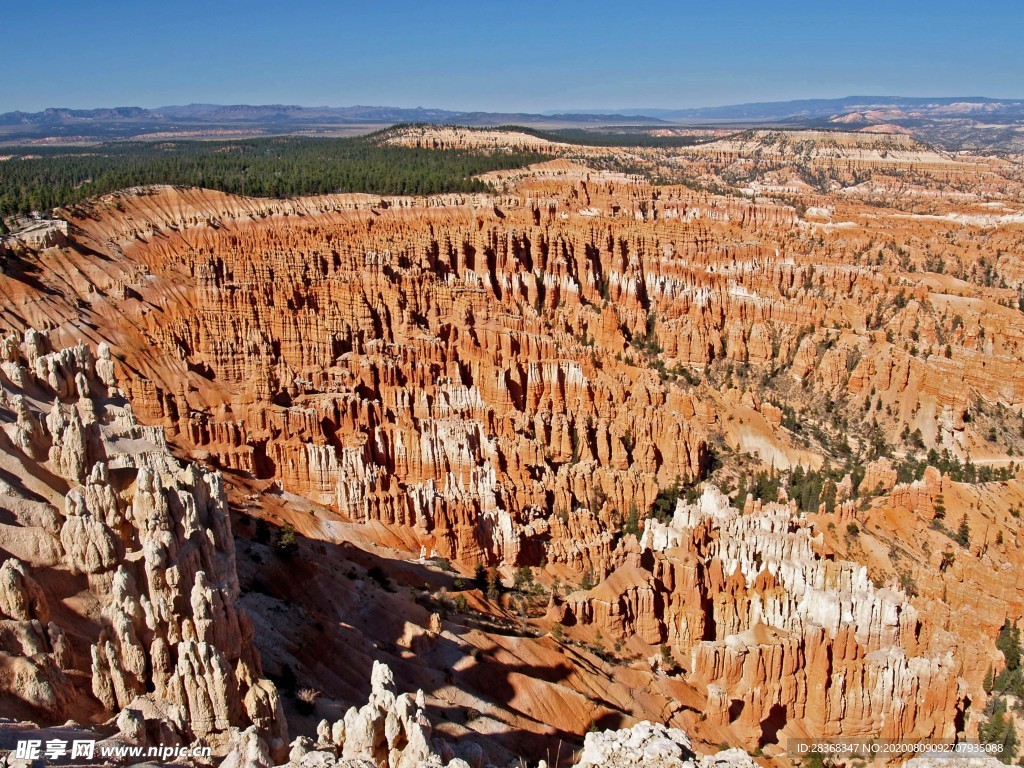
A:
[(268, 462)]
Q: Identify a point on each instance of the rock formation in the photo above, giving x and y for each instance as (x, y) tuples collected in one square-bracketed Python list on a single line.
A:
[(100, 522), (464, 368), (778, 634), (528, 379), (650, 745)]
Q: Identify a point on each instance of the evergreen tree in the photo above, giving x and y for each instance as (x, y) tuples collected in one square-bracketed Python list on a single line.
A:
[(589, 581), (963, 534), (1008, 643), (494, 586), (999, 728), (480, 577), (42, 178), (523, 578), (632, 522), (741, 492)]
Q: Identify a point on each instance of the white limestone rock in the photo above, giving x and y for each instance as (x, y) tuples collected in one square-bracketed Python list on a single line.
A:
[(21, 597), (645, 745)]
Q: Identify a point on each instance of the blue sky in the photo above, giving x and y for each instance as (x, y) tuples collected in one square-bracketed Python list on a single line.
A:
[(508, 56)]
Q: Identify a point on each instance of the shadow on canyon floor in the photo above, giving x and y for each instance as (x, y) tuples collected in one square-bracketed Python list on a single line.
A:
[(323, 614)]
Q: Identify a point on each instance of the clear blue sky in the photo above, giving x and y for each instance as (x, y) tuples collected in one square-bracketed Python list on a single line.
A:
[(507, 56)]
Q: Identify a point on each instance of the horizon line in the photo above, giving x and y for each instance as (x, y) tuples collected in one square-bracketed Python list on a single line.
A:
[(610, 111)]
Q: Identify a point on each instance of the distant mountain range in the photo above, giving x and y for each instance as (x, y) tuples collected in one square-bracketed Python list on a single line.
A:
[(955, 121), (289, 113), (805, 109)]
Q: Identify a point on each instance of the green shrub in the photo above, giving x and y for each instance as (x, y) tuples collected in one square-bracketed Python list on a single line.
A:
[(287, 542)]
